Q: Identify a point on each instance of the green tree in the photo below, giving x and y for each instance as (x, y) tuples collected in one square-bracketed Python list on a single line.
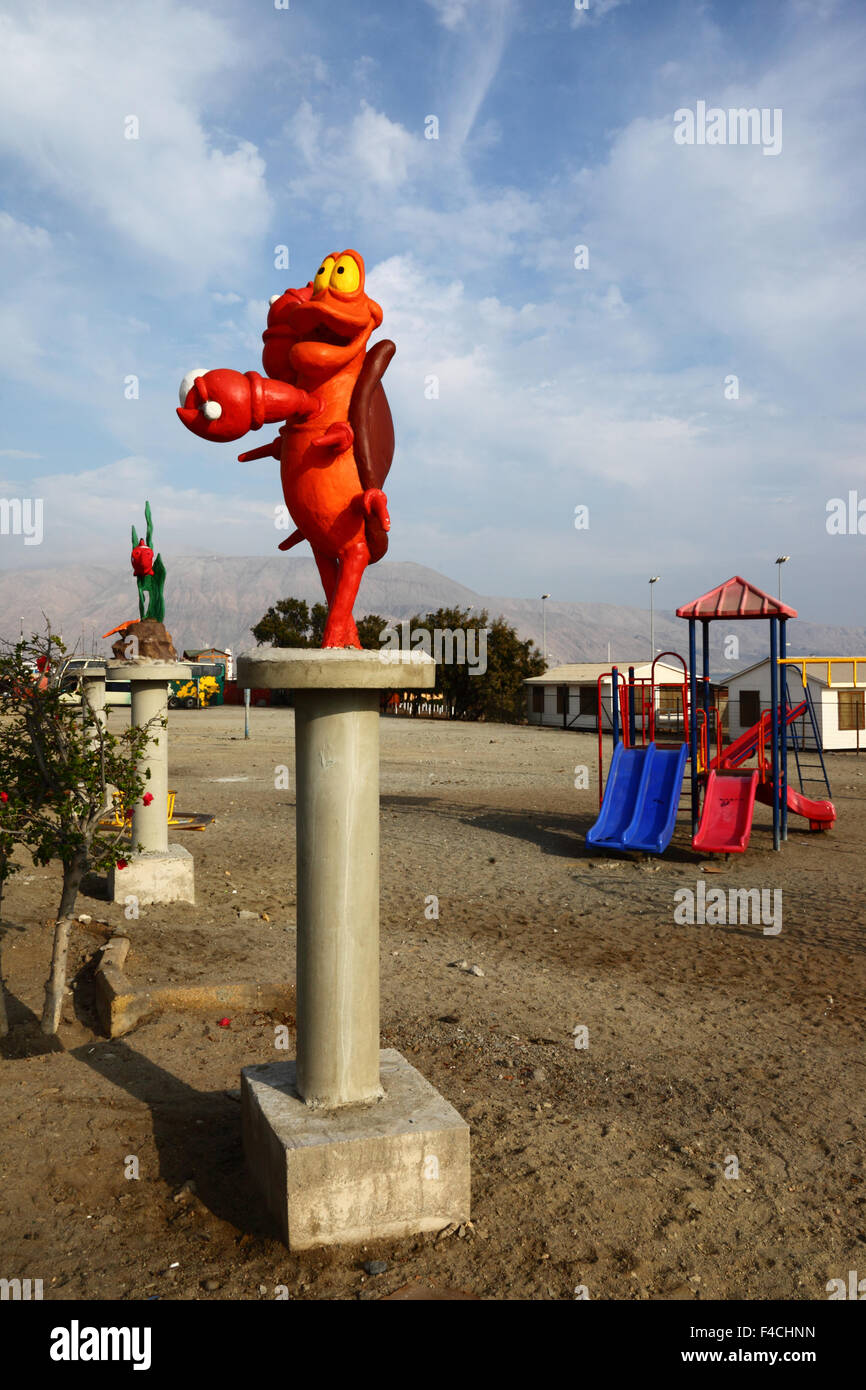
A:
[(318, 619), (495, 693), (370, 628), (286, 624), (60, 771), (292, 623)]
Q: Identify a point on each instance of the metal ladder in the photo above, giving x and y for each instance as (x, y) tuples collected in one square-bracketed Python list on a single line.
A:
[(798, 741)]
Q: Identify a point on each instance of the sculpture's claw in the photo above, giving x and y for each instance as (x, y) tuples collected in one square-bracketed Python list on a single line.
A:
[(338, 437), (374, 502), (204, 413)]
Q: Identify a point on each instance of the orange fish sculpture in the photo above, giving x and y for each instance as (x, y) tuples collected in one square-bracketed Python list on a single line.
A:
[(336, 445)]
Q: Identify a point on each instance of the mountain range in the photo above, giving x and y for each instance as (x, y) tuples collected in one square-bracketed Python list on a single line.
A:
[(213, 601)]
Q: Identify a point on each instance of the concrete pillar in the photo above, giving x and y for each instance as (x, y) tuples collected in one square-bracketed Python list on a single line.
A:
[(337, 781), (334, 1165), (155, 871), (337, 853), (93, 695), (150, 823)]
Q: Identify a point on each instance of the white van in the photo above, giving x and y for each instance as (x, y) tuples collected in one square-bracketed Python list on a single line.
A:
[(116, 692)]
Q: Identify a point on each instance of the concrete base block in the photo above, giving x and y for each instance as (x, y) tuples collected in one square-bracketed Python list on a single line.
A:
[(357, 1173), (164, 876)]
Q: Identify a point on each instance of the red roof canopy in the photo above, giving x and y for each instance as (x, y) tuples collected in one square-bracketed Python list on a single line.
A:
[(736, 599)]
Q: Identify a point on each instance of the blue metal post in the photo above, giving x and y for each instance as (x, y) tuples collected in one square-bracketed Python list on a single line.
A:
[(783, 700), (774, 723), (705, 624), (693, 721), (631, 726)]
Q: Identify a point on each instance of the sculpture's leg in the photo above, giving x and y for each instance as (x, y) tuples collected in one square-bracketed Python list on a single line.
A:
[(341, 630), (329, 572)]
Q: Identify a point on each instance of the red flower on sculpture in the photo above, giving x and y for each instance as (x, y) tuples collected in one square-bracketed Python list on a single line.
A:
[(121, 863), (147, 798), (142, 560)]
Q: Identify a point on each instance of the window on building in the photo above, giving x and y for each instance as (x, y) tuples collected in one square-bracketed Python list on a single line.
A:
[(750, 707), (851, 709), (561, 699), (538, 699), (588, 700)]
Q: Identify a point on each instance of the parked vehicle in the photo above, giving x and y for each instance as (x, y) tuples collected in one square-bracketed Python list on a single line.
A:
[(69, 675), (205, 687), (116, 692)]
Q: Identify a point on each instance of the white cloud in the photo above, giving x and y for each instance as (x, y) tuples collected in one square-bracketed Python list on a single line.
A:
[(452, 14), (68, 82), (482, 33), (357, 168), (18, 237), (106, 501), (594, 11), (381, 149)]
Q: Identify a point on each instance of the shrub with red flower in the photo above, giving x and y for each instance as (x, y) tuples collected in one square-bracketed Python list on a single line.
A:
[(147, 798), (61, 775)]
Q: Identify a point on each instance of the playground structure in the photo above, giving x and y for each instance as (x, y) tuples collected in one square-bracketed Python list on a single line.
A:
[(640, 800)]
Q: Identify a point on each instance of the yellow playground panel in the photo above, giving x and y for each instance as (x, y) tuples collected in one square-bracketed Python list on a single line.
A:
[(194, 820), (828, 662), (121, 816)]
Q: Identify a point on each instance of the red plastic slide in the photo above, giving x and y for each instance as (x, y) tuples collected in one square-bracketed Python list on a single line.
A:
[(819, 814), (726, 820), (746, 745)]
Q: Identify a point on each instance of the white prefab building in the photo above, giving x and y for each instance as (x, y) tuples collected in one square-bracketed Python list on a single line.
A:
[(839, 703), (567, 697)]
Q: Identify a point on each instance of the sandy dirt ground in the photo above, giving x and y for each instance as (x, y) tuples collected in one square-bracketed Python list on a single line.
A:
[(711, 1049)]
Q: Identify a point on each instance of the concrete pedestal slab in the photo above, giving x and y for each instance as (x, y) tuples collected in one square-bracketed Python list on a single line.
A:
[(155, 876), (356, 1173)]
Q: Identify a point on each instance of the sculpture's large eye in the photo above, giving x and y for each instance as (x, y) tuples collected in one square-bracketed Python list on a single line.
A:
[(346, 275), (323, 274)]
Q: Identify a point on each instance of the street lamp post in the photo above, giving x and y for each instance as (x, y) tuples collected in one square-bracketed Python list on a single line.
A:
[(654, 580), (544, 597), (780, 561)]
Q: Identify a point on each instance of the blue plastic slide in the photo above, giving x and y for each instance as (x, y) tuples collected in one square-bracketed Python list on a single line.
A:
[(658, 799), (620, 793), (641, 799)]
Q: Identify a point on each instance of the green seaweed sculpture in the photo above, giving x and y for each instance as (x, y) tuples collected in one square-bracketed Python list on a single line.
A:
[(149, 573)]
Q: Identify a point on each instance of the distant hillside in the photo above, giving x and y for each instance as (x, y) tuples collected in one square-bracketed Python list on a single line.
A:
[(215, 601)]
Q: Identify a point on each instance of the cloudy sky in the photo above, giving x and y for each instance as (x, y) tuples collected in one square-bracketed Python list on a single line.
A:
[(695, 380)]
